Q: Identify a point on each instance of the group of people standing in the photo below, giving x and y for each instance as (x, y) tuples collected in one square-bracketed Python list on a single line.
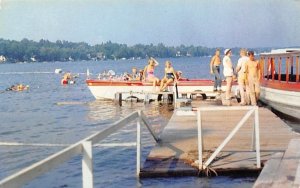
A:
[(248, 71)]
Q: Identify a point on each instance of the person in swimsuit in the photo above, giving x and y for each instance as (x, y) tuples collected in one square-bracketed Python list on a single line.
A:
[(66, 78), (169, 77), (149, 71)]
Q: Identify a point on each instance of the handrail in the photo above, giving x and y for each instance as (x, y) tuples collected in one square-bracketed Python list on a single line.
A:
[(251, 110), (291, 66), (84, 147)]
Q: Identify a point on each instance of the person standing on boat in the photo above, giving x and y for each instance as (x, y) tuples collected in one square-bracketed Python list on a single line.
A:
[(240, 69), (215, 63), (149, 71), (252, 71), (169, 77), (228, 72)]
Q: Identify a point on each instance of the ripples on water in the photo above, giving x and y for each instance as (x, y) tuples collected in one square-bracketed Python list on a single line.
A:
[(55, 114)]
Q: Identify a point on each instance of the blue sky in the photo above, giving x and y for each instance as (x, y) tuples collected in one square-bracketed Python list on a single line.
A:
[(211, 23)]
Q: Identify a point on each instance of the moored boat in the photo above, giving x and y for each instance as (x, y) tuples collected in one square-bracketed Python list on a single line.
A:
[(106, 89), (280, 83)]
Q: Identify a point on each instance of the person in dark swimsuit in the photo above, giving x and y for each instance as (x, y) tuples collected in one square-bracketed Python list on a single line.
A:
[(169, 77)]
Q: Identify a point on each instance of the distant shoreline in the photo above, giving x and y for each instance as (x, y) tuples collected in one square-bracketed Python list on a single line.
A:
[(63, 51)]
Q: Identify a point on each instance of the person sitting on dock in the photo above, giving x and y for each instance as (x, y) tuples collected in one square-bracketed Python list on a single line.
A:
[(240, 69), (252, 70), (169, 77), (149, 70)]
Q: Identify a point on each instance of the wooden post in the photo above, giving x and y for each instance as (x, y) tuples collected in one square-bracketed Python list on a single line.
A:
[(200, 143), (146, 98), (273, 68), (87, 165), (287, 69), (118, 98), (297, 69), (138, 144), (279, 69), (292, 68), (257, 142), (253, 136), (262, 68)]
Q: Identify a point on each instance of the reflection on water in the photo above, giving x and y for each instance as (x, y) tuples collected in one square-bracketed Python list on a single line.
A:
[(107, 111)]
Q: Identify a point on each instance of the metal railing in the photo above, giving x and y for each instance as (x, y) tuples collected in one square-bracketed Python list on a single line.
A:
[(83, 147), (255, 135)]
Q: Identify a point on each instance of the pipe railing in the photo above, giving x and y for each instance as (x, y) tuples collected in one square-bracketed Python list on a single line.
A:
[(284, 66), (83, 147), (255, 137)]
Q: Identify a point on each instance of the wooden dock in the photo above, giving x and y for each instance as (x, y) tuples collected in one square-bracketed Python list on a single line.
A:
[(177, 153), (283, 169)]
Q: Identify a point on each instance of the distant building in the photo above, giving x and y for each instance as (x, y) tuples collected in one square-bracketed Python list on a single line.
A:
[(2, 59), (33, 59)]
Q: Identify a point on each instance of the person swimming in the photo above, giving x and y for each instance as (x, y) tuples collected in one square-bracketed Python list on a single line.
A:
[(18, 87), (67, 79)]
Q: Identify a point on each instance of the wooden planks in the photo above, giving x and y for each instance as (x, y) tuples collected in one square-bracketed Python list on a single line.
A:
[(179, 142), (268, 173), (282, 171)]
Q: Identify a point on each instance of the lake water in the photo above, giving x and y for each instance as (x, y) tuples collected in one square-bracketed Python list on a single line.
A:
[(51, 113)]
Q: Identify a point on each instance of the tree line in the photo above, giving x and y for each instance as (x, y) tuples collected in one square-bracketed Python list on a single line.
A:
[(45, 50)]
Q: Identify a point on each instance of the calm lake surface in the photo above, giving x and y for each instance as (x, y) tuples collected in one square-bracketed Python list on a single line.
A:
[(51, 113)]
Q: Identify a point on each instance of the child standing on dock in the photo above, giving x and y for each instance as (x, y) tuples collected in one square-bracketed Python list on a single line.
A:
[(252, 71)]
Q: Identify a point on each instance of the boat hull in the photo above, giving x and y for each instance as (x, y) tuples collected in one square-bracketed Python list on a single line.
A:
[(286, 102), (105, 89)]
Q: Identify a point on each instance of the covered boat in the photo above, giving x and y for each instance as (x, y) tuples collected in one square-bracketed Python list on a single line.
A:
[(280, 86)]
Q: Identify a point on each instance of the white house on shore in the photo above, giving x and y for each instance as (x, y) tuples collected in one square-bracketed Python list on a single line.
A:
[(2, 59)]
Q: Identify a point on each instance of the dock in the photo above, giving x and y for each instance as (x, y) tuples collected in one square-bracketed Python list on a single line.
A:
[(177, 152), (283, 169)]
